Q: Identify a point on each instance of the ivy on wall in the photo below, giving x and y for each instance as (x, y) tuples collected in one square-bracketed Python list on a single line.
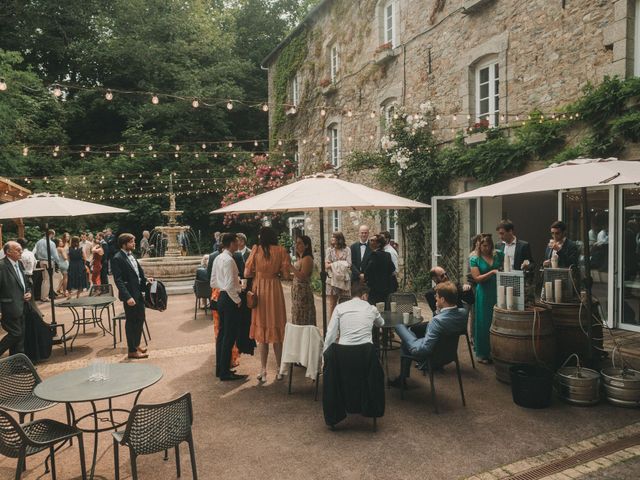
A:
[(410, 162), (289, 61)]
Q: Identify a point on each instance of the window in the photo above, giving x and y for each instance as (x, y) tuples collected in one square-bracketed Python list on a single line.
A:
[(488, 93), (295, 91), (636, 49), (389, 222), (335, 221), (389, 112), (334, 61), (389, 23), (334, 145)]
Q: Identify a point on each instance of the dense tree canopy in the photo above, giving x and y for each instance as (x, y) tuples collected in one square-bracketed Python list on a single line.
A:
[(188, 49)]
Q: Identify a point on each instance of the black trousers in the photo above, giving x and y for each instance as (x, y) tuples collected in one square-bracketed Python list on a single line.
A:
[(104, 274), (14, 339), (134, 322), (230, 316)]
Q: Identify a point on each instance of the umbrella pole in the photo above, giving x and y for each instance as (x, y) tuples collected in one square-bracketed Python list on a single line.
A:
[(50, 273), (323, 274), (588, 281)]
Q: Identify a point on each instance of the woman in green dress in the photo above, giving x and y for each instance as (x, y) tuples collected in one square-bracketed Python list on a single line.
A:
[(484, 267)]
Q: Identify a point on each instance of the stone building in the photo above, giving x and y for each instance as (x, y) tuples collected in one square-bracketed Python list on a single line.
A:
[(350, 64)]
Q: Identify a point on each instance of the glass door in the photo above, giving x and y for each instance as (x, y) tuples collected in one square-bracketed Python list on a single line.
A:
[(600, 238), (453, 224), (629, 262)]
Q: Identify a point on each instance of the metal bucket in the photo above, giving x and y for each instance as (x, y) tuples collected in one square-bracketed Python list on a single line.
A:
[(521, 338), (578, 385), (622, 386)]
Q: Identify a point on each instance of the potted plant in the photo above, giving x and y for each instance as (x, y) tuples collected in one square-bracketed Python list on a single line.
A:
[(477, 132)]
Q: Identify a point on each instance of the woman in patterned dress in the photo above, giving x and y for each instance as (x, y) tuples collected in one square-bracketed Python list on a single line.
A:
[(338, 265), (303, 308)]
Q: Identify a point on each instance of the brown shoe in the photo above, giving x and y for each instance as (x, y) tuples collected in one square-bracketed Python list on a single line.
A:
[(141, 350), (138, 355)]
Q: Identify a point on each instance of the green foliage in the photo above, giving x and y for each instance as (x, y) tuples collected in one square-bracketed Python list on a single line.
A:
[(627, 126)]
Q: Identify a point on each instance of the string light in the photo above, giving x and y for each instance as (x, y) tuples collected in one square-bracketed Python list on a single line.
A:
[(3, 85), (323, 112), (121, 148), (372, 114), (155, 100), (109, 95), (230, 145), (229, 105), (195, 103), (25, 151), (265, 108), (150, 147), (255, 143), (177, 148), (57, 91), (204, 146)]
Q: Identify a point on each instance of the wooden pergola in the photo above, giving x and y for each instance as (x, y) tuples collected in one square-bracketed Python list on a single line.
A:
[(10, 191)]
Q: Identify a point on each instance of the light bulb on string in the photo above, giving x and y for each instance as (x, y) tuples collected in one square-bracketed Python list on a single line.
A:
[(150, 147), (195, 103), (204, 146), (107, 154), (280, 142), (57, 91), (323, 112), (155, 100), (229, 105), (196, 155), (55, 154), (176, 155), (3, 85), (230, 145), (25, 151), (372, 114), (438, 117), (255, 143), (177, 148), (265, 107), (56, 148), (109, 95), (349, 113), (121, 148), (81, 154), (155, 155), (87, 148)]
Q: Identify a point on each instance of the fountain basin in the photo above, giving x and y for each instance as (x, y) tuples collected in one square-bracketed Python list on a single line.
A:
[(177, 273)]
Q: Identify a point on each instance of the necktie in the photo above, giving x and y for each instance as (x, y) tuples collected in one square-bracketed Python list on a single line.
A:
[(20, 279)]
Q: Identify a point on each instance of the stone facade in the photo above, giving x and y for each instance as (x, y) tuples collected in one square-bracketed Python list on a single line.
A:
[(543, 52)]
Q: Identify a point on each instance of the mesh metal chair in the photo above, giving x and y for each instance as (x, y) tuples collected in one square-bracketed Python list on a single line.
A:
[(18, 378), (404, 301), (444, 352), (154, 428), (117, 323), (342, 299), (202, 290), (20, 441)]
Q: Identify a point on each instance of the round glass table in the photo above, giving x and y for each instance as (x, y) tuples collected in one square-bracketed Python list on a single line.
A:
[(75, 386)]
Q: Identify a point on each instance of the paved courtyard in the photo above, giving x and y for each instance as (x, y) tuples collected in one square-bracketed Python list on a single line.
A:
[(244, 429)]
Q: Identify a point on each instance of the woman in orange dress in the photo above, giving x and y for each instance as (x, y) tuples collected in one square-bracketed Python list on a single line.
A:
[(267, 264)]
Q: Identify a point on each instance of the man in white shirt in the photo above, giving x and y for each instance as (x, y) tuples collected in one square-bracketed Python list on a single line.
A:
[(394, 258), (242, 247), (353, 321), (226, 277), (40, 251)]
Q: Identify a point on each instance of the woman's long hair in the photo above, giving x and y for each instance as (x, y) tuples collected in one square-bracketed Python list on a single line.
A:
[(267, 238), (308, 251), (341, 243)]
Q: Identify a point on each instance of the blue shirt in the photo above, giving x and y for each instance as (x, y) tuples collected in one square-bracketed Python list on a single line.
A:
[(40, 250)]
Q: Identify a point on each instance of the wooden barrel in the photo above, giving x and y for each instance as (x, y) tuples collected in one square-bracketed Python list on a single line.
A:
[(571, 322), (580, 386), (521, 337), (622, 386)]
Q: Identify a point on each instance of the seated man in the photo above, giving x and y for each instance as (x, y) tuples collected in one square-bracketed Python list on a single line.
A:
[(439, 275), (450, 320), (353, 321)]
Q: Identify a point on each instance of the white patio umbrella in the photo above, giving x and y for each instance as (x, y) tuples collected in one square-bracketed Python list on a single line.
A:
[(579, 173), (320, 192), (45, 205)]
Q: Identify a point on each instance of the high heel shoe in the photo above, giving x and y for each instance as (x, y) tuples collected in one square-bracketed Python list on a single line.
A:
[(262, 377)]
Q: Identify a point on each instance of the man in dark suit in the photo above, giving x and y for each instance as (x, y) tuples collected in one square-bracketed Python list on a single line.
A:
[(360, 254), (131, 283), (15, 292), (567, 250), (439, 275), (519, 251)]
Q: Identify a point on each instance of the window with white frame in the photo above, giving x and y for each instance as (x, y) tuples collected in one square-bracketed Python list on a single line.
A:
[(335, 221), (295, 90), (389, 222), (334, 61), (333, 134), (488, 92), (636, 49), (389, 22)]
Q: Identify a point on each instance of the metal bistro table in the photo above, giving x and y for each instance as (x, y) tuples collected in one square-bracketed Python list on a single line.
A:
[(391, 319), (91, 303), (75, 387)]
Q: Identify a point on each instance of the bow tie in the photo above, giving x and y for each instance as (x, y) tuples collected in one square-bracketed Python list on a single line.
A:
[(363, 244)]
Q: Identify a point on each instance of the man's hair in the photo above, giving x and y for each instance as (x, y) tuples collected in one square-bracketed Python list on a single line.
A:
[(560, 225), (6, 247), (358, 290), (50, 232), (448, 291), (205, 260), (228, 238), (124, 238), (434, 275), (507, 225), (23, 242), (242, 236)]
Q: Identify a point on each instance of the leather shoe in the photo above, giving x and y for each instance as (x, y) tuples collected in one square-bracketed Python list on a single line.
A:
[(137, 355), (141, 350), (233, 376)]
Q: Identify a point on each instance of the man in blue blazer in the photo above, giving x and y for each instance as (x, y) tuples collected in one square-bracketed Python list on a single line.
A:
[(449, 320)]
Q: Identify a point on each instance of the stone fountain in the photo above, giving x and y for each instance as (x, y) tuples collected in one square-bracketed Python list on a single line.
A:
[(176, 271)]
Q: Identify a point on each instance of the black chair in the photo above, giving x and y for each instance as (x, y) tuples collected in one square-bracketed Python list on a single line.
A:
[(20, 441), (202, 290), (405, 301), (444, 352), (342, 299), (18, 379), (117, 321), (466, 335), (154, 428)]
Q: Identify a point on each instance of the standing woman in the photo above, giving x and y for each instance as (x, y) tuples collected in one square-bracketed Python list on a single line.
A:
[(267, 264), (303, 308), (96, 266), (77, 268), (378, 271), (63, 265), (338, 265), (484, 267)]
